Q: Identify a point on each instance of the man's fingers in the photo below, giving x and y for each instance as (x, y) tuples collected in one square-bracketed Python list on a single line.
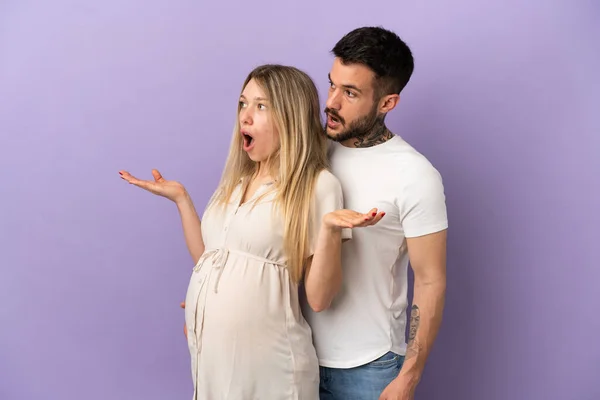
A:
[(182, 304)]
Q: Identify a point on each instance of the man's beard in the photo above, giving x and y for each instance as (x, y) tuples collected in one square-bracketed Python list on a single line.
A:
[(358, 128)]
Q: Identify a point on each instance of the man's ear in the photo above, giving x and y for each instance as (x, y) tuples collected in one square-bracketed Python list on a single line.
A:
[(388, 103)]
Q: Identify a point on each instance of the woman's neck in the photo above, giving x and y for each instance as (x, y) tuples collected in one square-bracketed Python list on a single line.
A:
[(263, 173)]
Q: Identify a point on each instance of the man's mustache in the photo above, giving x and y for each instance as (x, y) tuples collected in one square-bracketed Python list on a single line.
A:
[(335, 115)]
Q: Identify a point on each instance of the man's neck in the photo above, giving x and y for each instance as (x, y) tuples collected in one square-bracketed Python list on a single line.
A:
[(379, 134)]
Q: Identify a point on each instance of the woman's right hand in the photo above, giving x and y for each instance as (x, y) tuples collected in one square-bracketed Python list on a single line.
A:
[(172, 190)]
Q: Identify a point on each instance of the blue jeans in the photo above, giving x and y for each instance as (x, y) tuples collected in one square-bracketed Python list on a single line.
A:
[(365, 382)]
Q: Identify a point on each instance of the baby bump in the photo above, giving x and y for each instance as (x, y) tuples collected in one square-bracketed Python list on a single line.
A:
[(247, 318), (238, 291), (247, 293)]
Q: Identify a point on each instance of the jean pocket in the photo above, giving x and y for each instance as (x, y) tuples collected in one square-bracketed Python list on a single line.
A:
[(389, 359)]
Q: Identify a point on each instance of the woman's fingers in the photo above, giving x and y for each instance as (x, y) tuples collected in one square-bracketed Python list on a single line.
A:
[(343, 222), (371, 218), (377, 218), (353, 219), (148, 185), (125, 175), (157, 176)]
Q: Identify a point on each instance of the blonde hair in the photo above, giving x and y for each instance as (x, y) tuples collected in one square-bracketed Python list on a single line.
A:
[(302, 155)]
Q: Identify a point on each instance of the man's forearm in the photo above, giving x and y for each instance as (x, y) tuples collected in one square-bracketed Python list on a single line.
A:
[(424, 323)]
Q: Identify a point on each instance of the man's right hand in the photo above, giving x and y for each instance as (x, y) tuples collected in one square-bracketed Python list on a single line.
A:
[(182, 305)]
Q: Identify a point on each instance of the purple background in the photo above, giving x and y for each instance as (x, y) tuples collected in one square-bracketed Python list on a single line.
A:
[(92, 270)]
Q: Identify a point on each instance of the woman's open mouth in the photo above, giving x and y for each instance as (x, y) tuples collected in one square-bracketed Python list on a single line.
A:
[(248, 141)]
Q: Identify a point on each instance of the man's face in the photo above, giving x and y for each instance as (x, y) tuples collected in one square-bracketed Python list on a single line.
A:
[(350, 109)]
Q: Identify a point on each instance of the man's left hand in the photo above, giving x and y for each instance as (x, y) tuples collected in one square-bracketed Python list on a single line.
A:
[(399, 389)]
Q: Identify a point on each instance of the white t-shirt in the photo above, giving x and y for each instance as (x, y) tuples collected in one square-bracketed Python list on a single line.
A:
[(368, 316)]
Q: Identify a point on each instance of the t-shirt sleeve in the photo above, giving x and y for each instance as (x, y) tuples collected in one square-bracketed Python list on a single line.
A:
[(327, 197), (423, 206)]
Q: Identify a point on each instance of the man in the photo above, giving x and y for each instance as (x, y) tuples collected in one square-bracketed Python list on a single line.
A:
[(360, 338)]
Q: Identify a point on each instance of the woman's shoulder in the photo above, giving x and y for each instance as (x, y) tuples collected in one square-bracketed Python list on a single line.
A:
[(327, 182)]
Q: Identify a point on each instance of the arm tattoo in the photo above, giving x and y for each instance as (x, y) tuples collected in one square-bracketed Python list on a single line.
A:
[(414, 347), (379, 134)]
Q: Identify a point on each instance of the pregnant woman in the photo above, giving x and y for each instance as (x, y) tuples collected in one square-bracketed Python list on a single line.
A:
[(274, 225)]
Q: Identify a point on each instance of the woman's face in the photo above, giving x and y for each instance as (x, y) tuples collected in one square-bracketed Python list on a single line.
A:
[(260, 137)]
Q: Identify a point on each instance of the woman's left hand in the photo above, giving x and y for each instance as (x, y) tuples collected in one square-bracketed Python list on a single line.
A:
[(351, 219)]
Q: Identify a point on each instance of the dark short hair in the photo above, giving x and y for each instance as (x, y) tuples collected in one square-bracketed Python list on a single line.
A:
[(383, 52)]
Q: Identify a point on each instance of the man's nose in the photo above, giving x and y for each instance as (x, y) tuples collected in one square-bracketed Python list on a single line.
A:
[(333, 100)]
